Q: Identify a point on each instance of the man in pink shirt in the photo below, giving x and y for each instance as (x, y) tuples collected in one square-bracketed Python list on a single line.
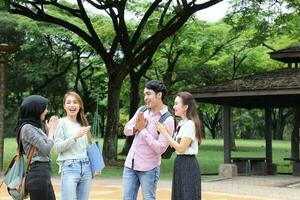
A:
[(142, 165)]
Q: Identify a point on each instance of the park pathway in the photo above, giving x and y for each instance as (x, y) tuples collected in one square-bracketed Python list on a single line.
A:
[(239, 188)]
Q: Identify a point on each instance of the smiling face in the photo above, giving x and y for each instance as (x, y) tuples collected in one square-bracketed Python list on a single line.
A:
[(152, 99), (179, 108), (71, 106)]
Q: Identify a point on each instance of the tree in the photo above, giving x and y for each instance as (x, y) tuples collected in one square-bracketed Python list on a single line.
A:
[(51, 61), (280, 118), (211, 118), (127, 48), (135, 79)]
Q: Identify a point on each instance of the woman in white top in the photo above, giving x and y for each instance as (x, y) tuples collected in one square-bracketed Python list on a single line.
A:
[(186, 183), (71, 143)]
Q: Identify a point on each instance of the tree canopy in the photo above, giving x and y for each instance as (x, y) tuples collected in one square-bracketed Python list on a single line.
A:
[(108, 40), (128, 47)]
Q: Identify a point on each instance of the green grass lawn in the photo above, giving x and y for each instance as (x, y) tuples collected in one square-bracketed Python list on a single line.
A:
[(210, 156)]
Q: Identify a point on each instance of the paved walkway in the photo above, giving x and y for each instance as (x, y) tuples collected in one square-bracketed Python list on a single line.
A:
[(239, 188), (280, 187)]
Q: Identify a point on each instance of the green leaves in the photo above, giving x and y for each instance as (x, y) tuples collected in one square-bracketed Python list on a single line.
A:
[(3, 5)]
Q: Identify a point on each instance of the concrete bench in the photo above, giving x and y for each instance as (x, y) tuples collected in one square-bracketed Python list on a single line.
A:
[(296, 165), (250, 165)]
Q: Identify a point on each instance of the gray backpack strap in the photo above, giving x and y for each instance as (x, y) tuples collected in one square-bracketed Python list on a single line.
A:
[(164, 117), (143, 109)]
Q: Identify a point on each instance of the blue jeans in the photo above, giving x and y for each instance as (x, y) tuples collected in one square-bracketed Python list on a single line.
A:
[(133, 179), (76, 179)]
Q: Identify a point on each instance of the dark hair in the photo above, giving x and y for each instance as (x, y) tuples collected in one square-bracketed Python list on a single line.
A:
[(191, 113), (81, 119), (157, 86)]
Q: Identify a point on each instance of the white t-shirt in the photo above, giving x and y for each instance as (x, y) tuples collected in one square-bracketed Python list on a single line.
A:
[(188, 130)]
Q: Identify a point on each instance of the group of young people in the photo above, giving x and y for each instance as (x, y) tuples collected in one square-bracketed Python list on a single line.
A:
[(69, 137)]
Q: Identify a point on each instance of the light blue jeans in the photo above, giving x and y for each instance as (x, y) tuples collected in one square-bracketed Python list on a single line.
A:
[(76, 179), (133, 179)]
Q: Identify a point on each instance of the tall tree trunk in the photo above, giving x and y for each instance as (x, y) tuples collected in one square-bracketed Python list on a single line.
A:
[(134, 95), (282, 122), (134, 103), (274, 122), (135, 79), (280, 125), (213, 134), (233, 144), (203, 131), (279, 121), (212, 122), (2, 97), (110, 149), (102, 124)]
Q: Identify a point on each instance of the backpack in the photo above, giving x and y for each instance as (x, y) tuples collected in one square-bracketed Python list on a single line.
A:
[(15, 175), (169, 151)]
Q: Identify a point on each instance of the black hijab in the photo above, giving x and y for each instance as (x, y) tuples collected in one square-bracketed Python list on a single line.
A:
[(30, 113)]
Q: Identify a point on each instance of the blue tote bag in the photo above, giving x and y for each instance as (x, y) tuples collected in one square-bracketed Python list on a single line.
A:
[(95, 157)]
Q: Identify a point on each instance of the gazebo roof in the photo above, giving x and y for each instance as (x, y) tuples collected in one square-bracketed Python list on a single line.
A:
[(277, 88), (287, 55)]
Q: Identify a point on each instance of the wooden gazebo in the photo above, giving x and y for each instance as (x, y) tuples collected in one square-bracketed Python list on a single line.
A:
[(272, 89)]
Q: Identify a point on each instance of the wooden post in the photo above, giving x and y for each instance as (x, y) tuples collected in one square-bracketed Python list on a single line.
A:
[(295, 134), (226, 129), (268, 134)]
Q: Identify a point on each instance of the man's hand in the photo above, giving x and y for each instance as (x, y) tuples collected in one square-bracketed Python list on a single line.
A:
[(141, 122)]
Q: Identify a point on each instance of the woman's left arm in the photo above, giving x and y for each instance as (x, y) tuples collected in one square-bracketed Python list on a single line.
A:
[(42, 144)]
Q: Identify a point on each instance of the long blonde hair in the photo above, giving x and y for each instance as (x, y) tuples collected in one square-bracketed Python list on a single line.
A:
[(81, 118)]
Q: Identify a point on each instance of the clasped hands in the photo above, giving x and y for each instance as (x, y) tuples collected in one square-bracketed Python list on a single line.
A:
[(140, 123)]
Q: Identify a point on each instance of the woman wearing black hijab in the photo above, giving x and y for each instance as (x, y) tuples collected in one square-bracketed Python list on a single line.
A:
[(30, 130)]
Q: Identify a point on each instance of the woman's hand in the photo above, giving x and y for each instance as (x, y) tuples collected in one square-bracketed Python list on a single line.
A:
[(81, 132), (96, 174), (51, 125), (161, 128)]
